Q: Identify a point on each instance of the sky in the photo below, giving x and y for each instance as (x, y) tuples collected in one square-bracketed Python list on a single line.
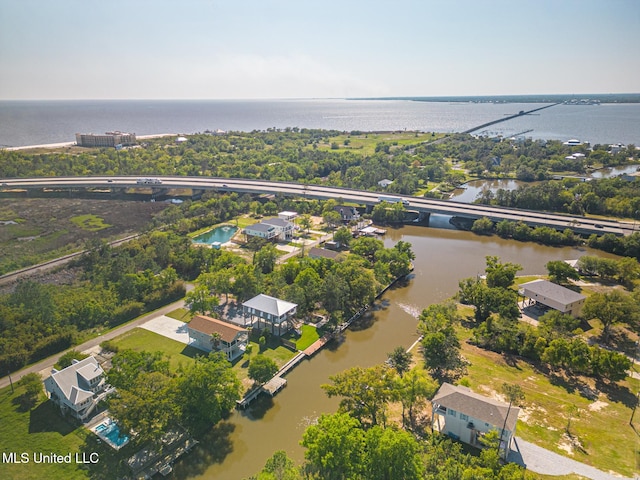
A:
[(255, 49)]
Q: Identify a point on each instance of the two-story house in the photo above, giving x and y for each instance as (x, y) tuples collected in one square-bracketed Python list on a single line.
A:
[(209, 334), (270, 310), (77, 389), (277, 229), (466, 416)]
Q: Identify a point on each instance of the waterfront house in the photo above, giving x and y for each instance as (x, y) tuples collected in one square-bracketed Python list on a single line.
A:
[(271, 229), (261, 230), (209, 334), (466, 416), (553, 296), (347, 214), (77, 389), (287, 215), (270, 310)]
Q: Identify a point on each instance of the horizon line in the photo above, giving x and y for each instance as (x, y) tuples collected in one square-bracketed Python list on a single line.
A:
[(385, 97)]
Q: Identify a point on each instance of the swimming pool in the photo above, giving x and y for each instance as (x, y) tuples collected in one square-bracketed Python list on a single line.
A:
[(110, 433), (220, 234)]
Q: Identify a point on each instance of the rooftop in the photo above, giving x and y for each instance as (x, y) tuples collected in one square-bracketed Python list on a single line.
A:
[(462, 399), (208, 326), (74, 380), (552, 291), (267, 304)]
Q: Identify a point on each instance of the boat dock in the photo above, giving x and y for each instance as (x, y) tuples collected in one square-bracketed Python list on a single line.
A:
[(317, 345), (274, 385)]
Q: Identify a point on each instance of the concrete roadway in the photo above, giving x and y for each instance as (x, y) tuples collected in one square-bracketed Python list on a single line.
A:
[(579, 224)]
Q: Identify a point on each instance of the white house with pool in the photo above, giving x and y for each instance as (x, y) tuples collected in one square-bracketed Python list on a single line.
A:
[(78, 389)]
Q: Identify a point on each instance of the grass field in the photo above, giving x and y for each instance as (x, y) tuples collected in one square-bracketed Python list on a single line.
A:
[(605, 439), (181, 314), (140, 339), (365, 144), (309, 335), (89, 222), (40, 430)]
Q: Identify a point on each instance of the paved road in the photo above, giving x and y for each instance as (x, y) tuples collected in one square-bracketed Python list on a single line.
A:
[(541, 460), (56, 262), (48, 363), (579, 224)]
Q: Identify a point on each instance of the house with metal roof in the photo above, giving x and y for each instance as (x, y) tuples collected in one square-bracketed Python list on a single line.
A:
[(271, 229), (553, 296), (261, 230), (466, 416), (209, 334), (270, 310), (77, 389)]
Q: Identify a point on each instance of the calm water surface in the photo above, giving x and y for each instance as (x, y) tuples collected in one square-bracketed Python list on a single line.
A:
[(41, 122), (443, 257)]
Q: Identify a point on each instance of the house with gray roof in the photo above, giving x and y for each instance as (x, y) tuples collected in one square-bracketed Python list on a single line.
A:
[(347, 213), (78, 388), (270, 310), (271, 229), (553, 296), (466, 416)]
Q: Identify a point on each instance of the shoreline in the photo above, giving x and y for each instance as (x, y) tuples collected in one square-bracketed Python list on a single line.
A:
[(73, 144)]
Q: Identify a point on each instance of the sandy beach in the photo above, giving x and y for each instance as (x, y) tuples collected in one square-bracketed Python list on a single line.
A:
[(72, 144)]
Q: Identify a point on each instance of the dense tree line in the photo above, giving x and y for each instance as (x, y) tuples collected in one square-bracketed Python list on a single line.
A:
[(616, 197), (557, 341), (628, 246), (150, 400), (293, 155), (339, 287)]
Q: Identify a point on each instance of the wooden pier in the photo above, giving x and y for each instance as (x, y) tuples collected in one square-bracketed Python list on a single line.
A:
[(318, 344), (274, 385)]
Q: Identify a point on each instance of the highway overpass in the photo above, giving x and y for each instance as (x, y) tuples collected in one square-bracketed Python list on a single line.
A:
[(579, 224)]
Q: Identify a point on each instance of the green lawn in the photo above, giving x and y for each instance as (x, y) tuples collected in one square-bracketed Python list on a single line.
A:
[(365, 144), (91, 223), (603, 428), (279, 354), (181, 314), (309, 335), (140, 339), (40, 430)]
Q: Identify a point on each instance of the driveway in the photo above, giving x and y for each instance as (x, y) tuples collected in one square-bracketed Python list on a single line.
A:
[(541, 460), (168, 327)]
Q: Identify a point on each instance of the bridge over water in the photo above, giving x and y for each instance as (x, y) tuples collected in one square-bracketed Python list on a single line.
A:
[(426, 206)]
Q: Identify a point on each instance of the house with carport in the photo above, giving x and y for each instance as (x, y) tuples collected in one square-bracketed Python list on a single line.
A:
[(78, 389), (209, 334), (270, 310), (553, 296), (467, 416)]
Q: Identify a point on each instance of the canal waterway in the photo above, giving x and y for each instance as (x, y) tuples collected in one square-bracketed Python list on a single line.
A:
[(474, 188), (240, 446)]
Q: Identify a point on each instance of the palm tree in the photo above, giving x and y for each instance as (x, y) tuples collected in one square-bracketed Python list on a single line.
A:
[(515, 394), (215, 339)]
